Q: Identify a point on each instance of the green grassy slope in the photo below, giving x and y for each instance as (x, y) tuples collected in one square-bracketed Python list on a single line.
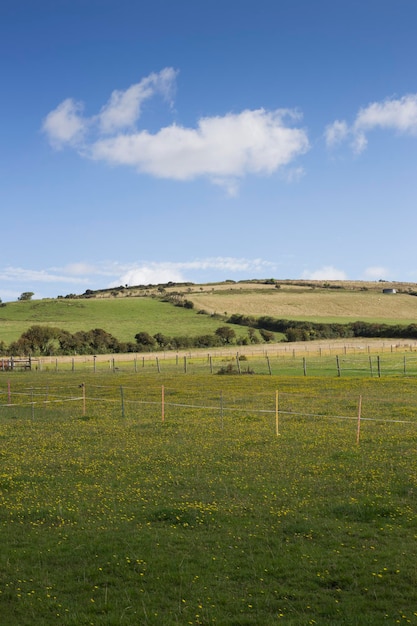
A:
[(122, 317), (136, 310)]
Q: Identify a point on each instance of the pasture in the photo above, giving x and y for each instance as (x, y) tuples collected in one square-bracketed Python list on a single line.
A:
[(114, 511), (308, 303), (122, 317), (135, 310)]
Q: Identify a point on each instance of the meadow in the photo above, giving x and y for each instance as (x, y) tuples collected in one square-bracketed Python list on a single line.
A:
[(137, 310), (170, 499), (123, 317), (354, 357), (317, 304)]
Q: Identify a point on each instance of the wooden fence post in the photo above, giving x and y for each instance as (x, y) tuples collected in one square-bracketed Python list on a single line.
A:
[(122, 400), (358, 431), (276, 414), (338, 365), (221, 408), (84, 400)]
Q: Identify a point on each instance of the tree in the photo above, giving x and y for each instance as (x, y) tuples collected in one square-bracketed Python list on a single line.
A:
[(252, 335), (97, 341), (145, 341), (226, 334), (26, 295), (37, 340), (162, 340), (266, 335)]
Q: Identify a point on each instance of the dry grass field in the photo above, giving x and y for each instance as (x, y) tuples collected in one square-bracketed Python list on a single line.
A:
[(347, 304)]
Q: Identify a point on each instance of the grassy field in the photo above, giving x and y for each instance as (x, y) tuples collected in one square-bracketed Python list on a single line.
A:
[(373, 358), (115, 512), (122, 317), (138, 310), (319, 305)]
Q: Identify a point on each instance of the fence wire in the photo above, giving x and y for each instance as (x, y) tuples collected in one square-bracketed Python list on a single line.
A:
[(307, 360), (164, 404)]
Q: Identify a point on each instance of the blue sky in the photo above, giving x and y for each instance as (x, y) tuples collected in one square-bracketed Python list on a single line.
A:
[(205, 140)]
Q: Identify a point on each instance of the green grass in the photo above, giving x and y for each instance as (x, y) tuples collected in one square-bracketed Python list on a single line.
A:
[(123, 317), (331, 360), (117, 517)]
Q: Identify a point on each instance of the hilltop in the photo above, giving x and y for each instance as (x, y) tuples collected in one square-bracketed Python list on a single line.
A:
[(195, 309)]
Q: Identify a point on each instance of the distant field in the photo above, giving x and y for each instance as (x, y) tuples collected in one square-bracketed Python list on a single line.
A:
[(323, 305), (135, 310)]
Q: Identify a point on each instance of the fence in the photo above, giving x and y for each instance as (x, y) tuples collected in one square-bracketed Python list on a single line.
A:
[(12, 363), (158, 405), (389, 360)]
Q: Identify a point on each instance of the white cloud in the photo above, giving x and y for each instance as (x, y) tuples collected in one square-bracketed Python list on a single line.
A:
[(359, 142), (65, 124), (328, 272), (78, 276), (376, 273), (335, 133), (153, 272), (150, 275), (19, 274), (229, 264), (222, 148), (124, 107), (399, 115)]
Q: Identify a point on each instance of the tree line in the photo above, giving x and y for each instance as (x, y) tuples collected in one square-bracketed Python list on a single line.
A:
[(51, 341), (309, 331)]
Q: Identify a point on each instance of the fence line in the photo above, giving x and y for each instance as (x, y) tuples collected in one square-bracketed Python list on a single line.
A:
[(162, 405), (400, 359), (318, 348)]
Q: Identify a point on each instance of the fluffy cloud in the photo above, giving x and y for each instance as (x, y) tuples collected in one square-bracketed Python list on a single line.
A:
[(78, 276), (222, 148), (376, 273), (153, 272), (65, 124), (335, 133), (328, 272), (140, 273), (124, 107), (229, 146), (399, 115)]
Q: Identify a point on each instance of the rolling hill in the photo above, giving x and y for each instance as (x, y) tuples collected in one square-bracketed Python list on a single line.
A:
[(126, 311)]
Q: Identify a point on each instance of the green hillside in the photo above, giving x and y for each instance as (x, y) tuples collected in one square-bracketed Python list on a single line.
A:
[(126, 311), (121, 317)]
